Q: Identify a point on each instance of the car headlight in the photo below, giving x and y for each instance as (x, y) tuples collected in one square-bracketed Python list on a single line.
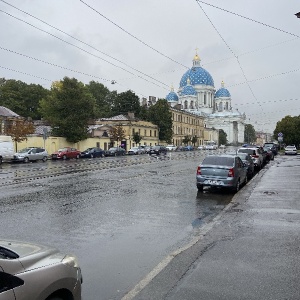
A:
[(71, 261)]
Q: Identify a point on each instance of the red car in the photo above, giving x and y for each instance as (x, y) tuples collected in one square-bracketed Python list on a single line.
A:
[(66, 153)]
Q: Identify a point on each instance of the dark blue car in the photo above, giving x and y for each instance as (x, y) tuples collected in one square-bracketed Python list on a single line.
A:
[(92, 152)]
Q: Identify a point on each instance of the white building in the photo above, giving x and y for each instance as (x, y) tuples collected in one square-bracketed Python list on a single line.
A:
[(197, 95)]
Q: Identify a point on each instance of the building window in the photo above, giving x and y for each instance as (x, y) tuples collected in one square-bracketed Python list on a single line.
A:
[(150, 132), (155, 133), (145, 132)]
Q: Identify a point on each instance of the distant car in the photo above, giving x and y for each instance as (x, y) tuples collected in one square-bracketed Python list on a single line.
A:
[(36, 272), (246, 159), (115, 151), (135, 151), (201, 147), (30, 154), (256, 155), (222, 171), (6, 148), (269, 153), (92, 152), (211, 147), (171, 147), (157, 150), (142, 149), (66, 153), (188, 148), (290, 150), (273, 146)]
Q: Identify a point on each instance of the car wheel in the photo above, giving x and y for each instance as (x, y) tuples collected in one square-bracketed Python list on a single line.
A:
[(44, 159), (92, 155), (237, 187), (26, 160), (77, 156), (246, 180), (64, 157), (116, 154)]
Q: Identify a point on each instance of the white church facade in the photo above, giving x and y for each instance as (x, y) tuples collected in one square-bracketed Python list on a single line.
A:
[(197, 95)]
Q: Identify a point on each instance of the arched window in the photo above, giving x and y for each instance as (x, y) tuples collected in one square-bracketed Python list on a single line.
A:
[(185, 104)]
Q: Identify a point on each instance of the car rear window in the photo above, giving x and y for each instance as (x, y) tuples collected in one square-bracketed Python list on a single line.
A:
[(249, 151), (218, 160)]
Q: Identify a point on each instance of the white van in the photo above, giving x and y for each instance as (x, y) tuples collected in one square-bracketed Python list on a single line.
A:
[(6, 148)]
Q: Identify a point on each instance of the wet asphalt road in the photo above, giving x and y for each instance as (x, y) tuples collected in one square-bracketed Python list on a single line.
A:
[(121, 216)]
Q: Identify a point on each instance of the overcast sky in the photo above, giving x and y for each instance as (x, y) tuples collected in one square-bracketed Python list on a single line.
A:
[(146, 46)]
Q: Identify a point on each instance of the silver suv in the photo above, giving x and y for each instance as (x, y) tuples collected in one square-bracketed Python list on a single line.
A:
[(31, 154), (36, 272), (256, 155)]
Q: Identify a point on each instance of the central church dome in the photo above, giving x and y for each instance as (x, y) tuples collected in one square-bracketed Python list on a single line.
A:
[(197, 75)]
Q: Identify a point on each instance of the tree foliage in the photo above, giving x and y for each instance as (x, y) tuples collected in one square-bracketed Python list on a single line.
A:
[(249, 134), (194, 140), (136, 137), (126, 102), (22, 98), (186, 139), (160, 115), (222, 137), (117, 133), (19, 130), (104, 100), (68, 109), (289, 126)]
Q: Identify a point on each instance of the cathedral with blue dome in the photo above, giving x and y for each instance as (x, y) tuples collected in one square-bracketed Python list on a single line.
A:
[(197, 94)]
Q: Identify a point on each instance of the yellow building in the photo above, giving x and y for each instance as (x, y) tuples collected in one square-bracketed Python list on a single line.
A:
[(187, 124)]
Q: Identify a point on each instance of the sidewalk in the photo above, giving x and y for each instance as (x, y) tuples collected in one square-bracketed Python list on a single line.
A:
[(252, 250)]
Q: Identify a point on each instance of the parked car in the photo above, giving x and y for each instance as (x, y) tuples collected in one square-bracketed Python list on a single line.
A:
[(171, 147), (188, 148), (222, 171), (256, 155), (157, 150), (201, 147), (135, 151), (273, 146), (6, 148), (248, 161), (290, 150), (269, 153), (36, 272), (66, 153), (115, 151), (92, 152), (30, 154), (142, 149)]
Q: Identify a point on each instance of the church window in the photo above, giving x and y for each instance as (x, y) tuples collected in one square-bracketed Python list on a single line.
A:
[(204, 99), (185, 104), (226, 105)]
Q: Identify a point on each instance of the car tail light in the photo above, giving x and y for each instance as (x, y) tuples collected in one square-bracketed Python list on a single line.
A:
[(231, 172), (255, 156), (199, 170)]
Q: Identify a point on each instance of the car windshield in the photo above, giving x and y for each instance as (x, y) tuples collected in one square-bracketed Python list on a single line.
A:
[(242, 156), (25, 150), (62, 149), (134, 148), (249, 151), (112, 149), (290, 147), (218, 160)]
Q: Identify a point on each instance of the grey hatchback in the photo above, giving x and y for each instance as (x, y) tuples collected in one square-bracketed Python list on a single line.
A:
[(31, 154), (224, 171), (35, 272)]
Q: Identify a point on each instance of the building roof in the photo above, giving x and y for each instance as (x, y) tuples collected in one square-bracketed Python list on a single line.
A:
[(6, 112)]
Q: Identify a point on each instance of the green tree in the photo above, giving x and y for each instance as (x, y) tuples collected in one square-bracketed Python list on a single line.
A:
[(222, 137), (126, 102), (194, 140), (160, 115), (102, 97), (68, 109), (249, 134), (186, 139), (289, 126), (22, 98), (117, 133), (136, 137)]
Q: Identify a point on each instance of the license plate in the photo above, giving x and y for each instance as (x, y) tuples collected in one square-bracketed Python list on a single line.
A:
[(213, 182)]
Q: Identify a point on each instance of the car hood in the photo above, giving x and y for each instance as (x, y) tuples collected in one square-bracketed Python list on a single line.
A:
[(31, 256)]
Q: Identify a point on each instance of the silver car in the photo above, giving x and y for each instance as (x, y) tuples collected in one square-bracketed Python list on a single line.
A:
[(35, 272), (223, 171), (31, 154)]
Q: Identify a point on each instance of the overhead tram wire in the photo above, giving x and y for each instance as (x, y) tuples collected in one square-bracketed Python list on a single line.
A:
[(266, 102), (230, 51), (136, 38), (25, 73), (249, 19), (90, 52)]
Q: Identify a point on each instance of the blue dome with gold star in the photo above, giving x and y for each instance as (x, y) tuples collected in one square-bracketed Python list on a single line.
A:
[(222, 92), (172, 96), (188, 89), (197, 75)]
